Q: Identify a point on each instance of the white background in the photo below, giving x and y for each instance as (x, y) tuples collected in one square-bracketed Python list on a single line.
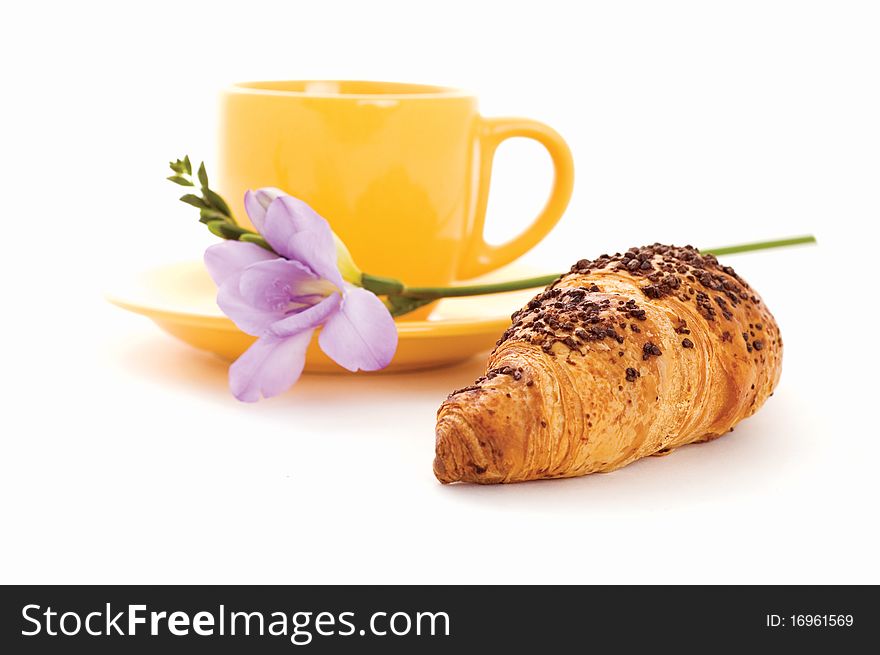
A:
[(125, 459)]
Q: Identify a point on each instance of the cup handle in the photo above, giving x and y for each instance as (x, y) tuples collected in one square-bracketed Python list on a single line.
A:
[(481, 257)]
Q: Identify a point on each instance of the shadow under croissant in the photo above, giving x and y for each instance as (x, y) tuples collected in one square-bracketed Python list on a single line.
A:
[(745, 462), (643, 485)]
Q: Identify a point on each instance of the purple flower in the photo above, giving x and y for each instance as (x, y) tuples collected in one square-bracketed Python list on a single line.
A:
[(282, 300)]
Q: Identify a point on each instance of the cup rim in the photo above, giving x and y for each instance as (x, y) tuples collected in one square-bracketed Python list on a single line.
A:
[(405, 90)]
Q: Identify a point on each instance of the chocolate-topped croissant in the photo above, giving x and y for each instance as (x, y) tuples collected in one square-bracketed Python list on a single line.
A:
[(629, 355)]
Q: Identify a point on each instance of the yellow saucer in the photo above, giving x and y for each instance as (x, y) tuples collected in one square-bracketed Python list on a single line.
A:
[(180, 298)]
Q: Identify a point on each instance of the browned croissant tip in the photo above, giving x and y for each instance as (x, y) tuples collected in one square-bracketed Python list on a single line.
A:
[(460, 453), (440, 472), (445, 469)]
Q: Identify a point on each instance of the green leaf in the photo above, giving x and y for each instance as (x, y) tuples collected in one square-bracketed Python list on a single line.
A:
[(179, 179), (216, 201), (195, 201), (181, 166), (227, 230), (400, 305), (250, 237), (234, 231), (203, 176), (207, 215), (217, 228)]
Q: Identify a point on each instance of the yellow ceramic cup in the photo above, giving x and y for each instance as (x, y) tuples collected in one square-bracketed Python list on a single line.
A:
[(401, 171)]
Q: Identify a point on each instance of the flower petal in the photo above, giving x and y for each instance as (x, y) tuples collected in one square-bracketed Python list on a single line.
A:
[(307, 318), (272, 285), (269, 367), (296, 231), (231, 257), (247, 318), (362, 334), (257, 202)]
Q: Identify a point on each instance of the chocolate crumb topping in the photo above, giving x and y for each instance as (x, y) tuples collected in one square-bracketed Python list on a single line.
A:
[(515, 373), (668, 269), (650, 350), (570, 342), (580, 318), (572, 317)]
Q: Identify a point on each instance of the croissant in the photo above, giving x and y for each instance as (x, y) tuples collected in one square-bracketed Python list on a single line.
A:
[(626, 356)]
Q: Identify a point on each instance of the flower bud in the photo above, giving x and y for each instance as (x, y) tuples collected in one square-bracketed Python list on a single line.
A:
[(266, 195), (257, 204)]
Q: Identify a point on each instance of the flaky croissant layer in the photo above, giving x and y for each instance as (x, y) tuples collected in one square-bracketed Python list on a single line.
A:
[(630, 355)]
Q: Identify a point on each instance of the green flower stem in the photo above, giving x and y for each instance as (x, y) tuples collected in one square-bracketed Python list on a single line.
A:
[(478, 289), (761, 245), (426, 293)]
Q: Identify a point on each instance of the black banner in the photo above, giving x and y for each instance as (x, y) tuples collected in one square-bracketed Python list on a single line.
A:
[(329, 619)]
